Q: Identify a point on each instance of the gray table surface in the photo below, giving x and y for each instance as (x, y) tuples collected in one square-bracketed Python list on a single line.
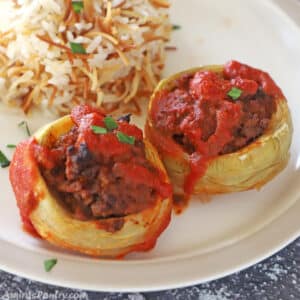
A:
[(278, 277)]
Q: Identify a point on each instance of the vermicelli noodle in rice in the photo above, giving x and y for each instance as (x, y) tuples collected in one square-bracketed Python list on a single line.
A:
[(120, 58)]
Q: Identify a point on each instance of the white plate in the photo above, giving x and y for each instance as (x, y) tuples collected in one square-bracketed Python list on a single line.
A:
[(209, 240)]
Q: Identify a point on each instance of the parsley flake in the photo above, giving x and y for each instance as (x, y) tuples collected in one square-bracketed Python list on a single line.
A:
[(98, 129), (176, 27), (25, 125), (77, 6), (4, 162), (49, 264), (110, 123), (77, 48), (235, 93), (126, 139)]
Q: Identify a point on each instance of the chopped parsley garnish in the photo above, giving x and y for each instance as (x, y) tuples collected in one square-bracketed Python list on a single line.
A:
[(11, 146), (126, 139), (99, 129), (110, 123), (235, 93), (77, 6), (49, 264), (77, 48), (4, 162), (25, 125), (176, 27)]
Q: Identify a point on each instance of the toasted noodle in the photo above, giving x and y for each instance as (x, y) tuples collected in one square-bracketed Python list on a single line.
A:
[(124, 43)]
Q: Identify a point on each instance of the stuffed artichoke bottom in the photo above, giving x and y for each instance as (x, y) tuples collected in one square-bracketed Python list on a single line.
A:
[(91, 184), (220, 129)]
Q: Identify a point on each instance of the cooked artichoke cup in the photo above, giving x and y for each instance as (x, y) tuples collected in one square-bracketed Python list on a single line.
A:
[(54, 223), (248, 168)]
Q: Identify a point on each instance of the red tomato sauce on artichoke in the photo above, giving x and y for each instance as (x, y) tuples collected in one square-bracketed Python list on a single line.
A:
[(208, 114), (96, 175)]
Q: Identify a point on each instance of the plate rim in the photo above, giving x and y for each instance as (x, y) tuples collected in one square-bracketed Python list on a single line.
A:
[(58, 278)]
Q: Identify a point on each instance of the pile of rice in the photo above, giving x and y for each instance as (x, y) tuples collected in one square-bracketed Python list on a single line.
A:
[(124, 45)]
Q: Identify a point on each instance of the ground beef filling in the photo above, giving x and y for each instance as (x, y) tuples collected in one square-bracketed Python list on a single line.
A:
[(95, 185), (200, 116)]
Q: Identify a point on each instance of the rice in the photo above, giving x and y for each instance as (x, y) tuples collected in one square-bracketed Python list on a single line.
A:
[(122, 45)]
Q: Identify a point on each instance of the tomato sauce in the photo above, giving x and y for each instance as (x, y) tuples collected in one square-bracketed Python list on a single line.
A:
[(205, 117), (98, 175), (23, 176)]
